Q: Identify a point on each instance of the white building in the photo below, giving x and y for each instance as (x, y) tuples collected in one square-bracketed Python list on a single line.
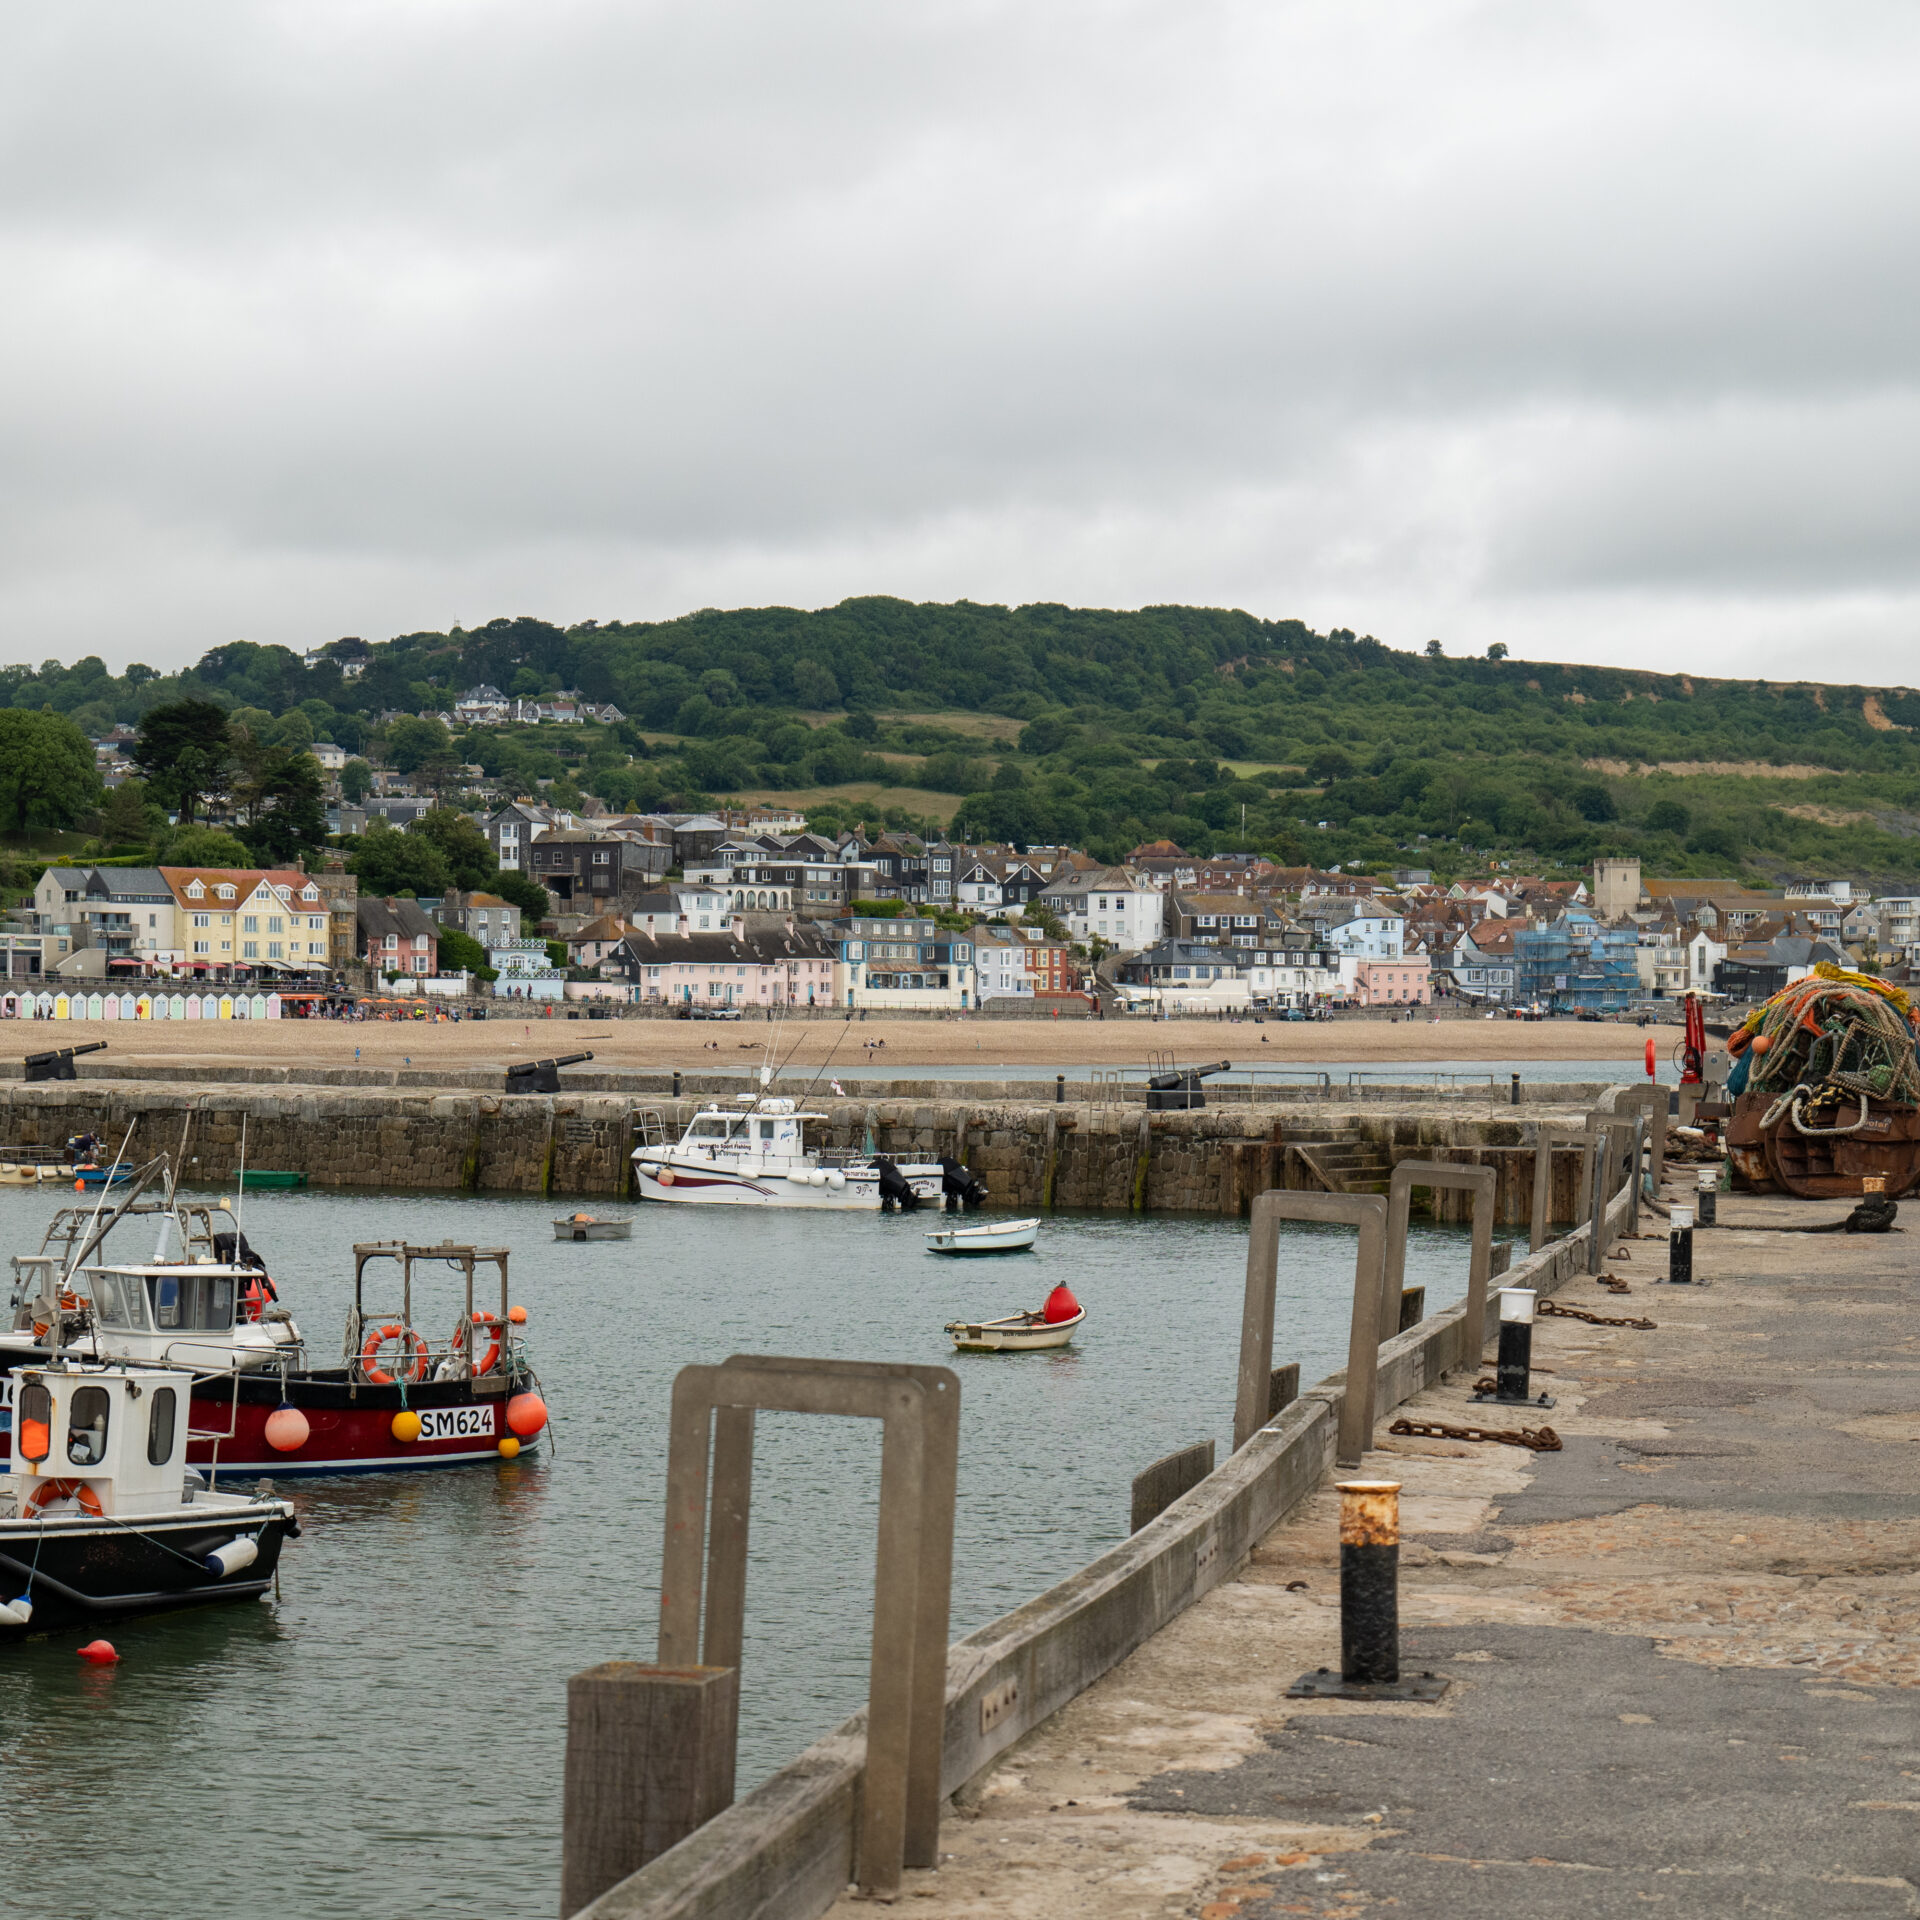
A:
[(1111, 904), (526, 972)]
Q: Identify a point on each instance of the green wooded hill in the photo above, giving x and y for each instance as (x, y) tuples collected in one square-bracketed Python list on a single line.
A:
[(1104, 728)]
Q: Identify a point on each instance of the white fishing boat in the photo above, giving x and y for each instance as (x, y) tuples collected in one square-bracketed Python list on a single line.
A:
[(992, 1236), (585, 1226), (1016, 1333), (756, 1154)]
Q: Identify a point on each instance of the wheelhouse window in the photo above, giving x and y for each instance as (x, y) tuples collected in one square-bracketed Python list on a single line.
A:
[(160, 1427), (120, 1301), (36, 1422), (87, 1427), (191, 1301)]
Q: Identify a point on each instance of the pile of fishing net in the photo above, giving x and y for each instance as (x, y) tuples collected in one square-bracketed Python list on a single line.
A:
[(1840, 1031)]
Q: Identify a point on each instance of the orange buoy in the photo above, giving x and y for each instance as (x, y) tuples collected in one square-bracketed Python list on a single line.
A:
[(526, 1414), (1761, 1043), (100, 1652), (517, 1315), (1061, 1305), (287, 1429)]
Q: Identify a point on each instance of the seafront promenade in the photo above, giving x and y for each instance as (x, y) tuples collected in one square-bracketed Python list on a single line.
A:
[(1684, 1652)]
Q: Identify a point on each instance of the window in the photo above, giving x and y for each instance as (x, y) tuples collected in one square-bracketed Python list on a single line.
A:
[(249, 949), (196, 891), (203, 946), (87, 1426), (250, 923), (36, 1422), (276, 923), (316, 946), (276, 950), (160, 1427), (202, 919)]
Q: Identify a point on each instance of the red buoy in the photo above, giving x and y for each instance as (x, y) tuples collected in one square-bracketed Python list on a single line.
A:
[(1650, 1059), (1061, 1305), (100, 1652)]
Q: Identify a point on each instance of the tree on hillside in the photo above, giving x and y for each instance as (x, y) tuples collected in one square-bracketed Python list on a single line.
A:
[(47, 778), (411, 743), (126, 818), (281, 797), (202, 847), (356, 781), (187, 754), (462, 953), (386, 862), (533, 900), (465, 849)]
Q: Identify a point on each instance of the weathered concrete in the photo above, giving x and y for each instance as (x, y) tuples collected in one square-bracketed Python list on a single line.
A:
[(780, 1853), (1683, 1651), (1099, 1158)]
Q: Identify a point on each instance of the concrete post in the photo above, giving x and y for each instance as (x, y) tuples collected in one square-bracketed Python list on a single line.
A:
[(1481, 1182), (919, 1408), (650, 1754), (1543, 1143), (1367, 1211)]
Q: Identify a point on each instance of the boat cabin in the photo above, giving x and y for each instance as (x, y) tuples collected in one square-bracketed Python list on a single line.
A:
[(765, 1129), (98, 1439)]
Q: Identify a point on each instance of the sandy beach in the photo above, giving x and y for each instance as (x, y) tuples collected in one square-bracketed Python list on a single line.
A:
[(970, 1042)]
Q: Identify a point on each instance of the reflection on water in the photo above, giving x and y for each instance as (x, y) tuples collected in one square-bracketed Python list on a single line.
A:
[(393, 1725)]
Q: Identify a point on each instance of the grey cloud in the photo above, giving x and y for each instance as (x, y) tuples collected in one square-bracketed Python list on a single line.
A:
[(1483, 318)]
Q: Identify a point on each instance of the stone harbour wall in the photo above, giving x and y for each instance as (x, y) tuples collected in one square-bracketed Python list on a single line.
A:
[(1113, 1159)]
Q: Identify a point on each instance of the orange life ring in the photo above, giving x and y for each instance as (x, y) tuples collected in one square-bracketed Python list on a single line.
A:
[(49, 1491), (463, 1336), (377, 1339)]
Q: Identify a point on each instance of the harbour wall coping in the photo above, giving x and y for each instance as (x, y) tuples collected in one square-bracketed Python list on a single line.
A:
[(649, 1084), (785, 1851)]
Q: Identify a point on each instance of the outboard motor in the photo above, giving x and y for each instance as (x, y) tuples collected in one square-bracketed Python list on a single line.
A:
[(541, 1076), (895, 1189), (960, 1186), (1180, 1091), (232, 1250)]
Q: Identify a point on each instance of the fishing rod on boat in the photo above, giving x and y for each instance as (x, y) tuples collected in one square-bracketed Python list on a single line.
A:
[(828, 1061)]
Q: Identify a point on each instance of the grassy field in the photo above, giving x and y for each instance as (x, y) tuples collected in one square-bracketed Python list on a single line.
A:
[(856, 793)]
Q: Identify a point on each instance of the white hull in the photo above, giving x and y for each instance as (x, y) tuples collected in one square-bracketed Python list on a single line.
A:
[(1017, 1333), (1001, 1236), (715, 1184)]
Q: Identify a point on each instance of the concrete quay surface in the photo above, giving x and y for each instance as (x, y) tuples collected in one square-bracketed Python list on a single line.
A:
[(1684, 1651)]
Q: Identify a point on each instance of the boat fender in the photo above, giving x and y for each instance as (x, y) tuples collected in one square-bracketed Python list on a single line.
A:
[(799, 1176), (16, 1613), (232, 1557), (287, 1429), (836, 1180)]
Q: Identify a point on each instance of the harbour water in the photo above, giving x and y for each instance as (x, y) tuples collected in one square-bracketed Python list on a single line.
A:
[(387, 1736)]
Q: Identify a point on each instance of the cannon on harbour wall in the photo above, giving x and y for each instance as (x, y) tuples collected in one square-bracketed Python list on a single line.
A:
[(1178, 1090), (541, 1076), (58, 1063)]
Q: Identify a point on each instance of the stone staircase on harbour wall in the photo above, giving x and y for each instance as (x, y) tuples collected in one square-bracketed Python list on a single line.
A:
[(1343, 1165)]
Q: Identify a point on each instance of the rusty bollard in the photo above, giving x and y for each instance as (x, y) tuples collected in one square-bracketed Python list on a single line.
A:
[(1369, 1582), (1513, 1374), (1369, 1604)]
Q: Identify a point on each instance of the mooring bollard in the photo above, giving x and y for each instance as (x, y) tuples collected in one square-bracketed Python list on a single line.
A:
[(1513, 1384), (1709, 1196), (1059, 1089), (1680, 1247), (1515, 1099), (676, 1083), (1369, 1582), (1369, 1604)]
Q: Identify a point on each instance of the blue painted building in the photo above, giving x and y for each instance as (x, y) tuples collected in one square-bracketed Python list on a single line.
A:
[(1577, 963)]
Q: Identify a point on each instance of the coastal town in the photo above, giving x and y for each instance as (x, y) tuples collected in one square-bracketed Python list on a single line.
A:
[(739, 910)]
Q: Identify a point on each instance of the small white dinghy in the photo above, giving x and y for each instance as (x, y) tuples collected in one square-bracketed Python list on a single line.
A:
[(583, 1226), (997, 1236), (1017, 1333), (1053, 1326)]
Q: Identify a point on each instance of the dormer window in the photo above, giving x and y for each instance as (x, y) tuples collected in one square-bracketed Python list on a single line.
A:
[(196, 891), (309, 893), (226, 892)]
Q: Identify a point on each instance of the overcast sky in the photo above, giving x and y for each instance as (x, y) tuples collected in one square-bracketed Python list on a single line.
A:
[(1590, 329)]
